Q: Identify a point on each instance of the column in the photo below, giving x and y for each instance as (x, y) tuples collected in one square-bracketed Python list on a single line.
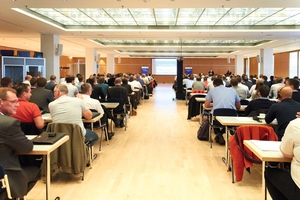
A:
[(267, 64), (110, 63), (49, 45), (90, 62), (239, 64)]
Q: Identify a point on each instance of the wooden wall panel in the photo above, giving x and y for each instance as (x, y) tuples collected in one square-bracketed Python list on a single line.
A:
[(281, 64), (253, 66), (65, 61), (164, 79), (132, 65)]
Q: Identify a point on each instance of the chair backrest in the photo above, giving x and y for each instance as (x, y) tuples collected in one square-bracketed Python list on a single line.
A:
[(257, 112), (244, 102), (120, 107), (71, 156), (29, 128), (4, 184), (225, 112)]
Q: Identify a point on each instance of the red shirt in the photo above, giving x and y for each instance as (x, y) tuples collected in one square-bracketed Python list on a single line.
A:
[(27, 111)]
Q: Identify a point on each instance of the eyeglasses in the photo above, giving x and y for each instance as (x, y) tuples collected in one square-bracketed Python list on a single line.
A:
[(13, 102)]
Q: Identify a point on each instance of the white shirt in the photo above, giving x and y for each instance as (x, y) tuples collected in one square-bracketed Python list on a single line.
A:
[(135, 84), (72, 90), (67, 109), (290, 144), (92, 103)]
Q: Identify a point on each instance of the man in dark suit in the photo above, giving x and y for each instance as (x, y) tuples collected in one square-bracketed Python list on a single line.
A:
[(118, 91), (131, 93), (97, 90), (211, 72), (284, 111), (41, 96), (294, 84), (261, 103), (51, 84), (12, 140)]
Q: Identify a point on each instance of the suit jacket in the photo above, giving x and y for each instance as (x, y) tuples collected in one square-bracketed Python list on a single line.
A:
[(128, 88), (118, 92), (50, 86), (42, 97), (13, 140), (97, 92), (258, 104), (296, 96)]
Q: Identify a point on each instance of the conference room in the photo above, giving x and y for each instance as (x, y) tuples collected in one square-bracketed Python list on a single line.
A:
[(159, 155)]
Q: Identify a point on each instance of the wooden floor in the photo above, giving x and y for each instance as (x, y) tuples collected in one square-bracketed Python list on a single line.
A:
[(158, 157)]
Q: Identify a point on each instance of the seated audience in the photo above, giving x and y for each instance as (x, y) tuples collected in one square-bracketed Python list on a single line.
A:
[(244, 87), (102, 84), (118, 91), (210, 85), (27, 80), (22, 178), (274, 87), (97, 92), (41, 96), (52, 83), (261, 103), (246, 82), (294, 84), (198, 84), (241, 91), (280, 183), (80, 82), (72, 89), (284, 111), (131, 95), (222, 97), (111, 80), (189, 82), (33, 83), (27, 112), (7, 82), (138, 77), (255, 88), (66, 109)]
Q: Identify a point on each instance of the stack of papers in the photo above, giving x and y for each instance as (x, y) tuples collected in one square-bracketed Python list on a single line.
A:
[(267, 145)]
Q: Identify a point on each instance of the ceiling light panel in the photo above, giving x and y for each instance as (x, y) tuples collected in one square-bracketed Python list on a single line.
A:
[(143, 16), (189, 16), (121, 16), (258, 15), (234, 15), (211, 15), (56, 16), (76, 15), (98, 15), (166, 16), (281, 16)]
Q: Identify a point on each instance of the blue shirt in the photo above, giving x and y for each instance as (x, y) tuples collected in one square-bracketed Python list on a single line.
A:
[(222, 97), (104, 87)]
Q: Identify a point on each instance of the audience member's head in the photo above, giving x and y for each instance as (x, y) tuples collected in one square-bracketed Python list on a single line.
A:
[(293, 83), (91, 81), (41, 82), (33, 82), (8, 101), (284, 92), (239, 79), (86, 88), (7, 82), (279, 79), (80, 78), (23, 91), (70, 79), (101, 80), (124, 81), (263, 91), (259, 82), (118, 81), (53, 78), (60, 90), (217, 82), (198, 78), (28, 77), (234, 82)]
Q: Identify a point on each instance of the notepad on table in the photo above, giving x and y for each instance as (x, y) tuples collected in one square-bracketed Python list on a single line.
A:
[(267, 145)]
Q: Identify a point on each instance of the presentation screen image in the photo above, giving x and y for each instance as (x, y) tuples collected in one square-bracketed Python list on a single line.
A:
[(164, 66)]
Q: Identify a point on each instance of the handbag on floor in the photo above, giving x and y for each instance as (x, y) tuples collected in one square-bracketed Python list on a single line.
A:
[(203, 132)]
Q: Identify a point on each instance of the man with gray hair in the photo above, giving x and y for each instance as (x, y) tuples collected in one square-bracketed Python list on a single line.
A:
[(67, 109)]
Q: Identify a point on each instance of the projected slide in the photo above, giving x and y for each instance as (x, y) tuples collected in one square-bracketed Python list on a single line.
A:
[(164, 66)]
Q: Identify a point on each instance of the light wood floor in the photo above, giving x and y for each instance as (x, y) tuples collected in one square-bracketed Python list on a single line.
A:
[(158, 157)]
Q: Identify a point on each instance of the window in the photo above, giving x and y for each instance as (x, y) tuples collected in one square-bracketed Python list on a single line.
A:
[(293, 64)]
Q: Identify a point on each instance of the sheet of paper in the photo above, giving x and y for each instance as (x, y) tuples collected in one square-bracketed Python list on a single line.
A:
[(267, 145), (244, 119)]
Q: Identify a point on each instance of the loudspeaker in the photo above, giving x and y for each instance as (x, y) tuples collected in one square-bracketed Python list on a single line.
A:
[(228, 60), (119, 60), (59, 49), (258, 58), (98, 58)]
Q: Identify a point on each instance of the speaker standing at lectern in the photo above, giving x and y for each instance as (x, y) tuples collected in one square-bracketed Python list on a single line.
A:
[(211, 72)]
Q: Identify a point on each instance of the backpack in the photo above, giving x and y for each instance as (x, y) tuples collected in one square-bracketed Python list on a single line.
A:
[(203, 132)]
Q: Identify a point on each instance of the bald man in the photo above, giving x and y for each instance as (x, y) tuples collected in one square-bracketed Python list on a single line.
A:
[(284, 111)]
